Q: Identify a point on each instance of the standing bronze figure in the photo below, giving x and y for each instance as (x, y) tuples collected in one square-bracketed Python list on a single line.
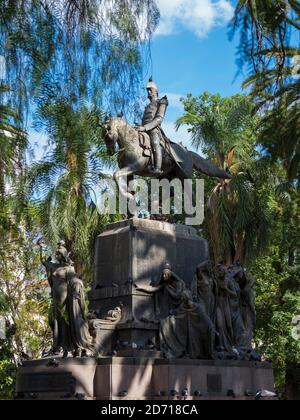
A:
[(248, 307), (153, 117), (69, 322), (225, 340), (235, 275), (204, 288)]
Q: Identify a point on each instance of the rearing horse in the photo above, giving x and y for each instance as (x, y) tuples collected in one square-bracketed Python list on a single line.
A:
[(134, 157)]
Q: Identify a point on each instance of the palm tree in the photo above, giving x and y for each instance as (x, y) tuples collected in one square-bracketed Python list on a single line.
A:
[(65, 179), (267, 46), (237, 211), (265, 31)]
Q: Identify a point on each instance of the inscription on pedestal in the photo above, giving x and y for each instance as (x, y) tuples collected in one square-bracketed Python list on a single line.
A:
[(46, 382)]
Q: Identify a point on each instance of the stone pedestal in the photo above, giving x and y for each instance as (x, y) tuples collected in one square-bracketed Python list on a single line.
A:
[(140, 377), (161, 380), (53, 379), (129, 254), (134, 252)]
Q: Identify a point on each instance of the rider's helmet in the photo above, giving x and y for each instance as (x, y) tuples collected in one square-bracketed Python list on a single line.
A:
[(62, 252), (152, 86)]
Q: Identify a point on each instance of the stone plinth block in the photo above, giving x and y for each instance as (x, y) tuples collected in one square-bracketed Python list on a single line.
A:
[(212, 379), (135, 251)]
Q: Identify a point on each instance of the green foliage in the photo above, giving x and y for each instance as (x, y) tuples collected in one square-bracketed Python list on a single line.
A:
[(65, 180), (82, 49), (239, 211), (23, 301), (267, 34), (8, 367), (268, 46), (7, 378), (277, 304), (254, 218), (64, 60), (24, 304), (220, 124)]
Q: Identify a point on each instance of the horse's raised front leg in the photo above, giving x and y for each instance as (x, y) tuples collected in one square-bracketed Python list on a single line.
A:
[(122, 178)]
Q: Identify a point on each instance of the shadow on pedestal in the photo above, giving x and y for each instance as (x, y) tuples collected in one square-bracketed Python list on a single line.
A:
[(142, 378)]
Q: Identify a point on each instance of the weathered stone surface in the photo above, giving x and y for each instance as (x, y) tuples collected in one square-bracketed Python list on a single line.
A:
[(129, 255), (156, 379), (135, 251), (57, 379), (214, 379), (132, 335), (142, 378)]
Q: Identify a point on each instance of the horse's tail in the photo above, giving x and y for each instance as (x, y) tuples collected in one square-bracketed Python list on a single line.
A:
[(208, 168)]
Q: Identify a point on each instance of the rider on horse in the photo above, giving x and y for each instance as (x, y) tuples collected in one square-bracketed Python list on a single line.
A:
[(153, 117)]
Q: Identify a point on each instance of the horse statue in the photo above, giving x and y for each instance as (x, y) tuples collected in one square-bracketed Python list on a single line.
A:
[(135, 157)]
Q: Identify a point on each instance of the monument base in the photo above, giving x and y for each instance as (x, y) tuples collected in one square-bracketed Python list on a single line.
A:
[(142, 378), (56, 378)]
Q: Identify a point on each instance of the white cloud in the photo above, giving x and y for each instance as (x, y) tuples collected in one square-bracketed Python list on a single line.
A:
[(180, 136), (197, 16), (39, 145), (175, 101)]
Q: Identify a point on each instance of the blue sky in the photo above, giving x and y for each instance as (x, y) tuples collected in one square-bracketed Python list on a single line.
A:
[(191, 53)]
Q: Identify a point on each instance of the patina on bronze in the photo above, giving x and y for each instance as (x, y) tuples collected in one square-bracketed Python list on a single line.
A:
[(68, 320), (153, 117), (136, 146)]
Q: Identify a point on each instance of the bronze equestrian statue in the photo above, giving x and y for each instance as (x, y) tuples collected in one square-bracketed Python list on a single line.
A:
[(146, 151), (151, 124)]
